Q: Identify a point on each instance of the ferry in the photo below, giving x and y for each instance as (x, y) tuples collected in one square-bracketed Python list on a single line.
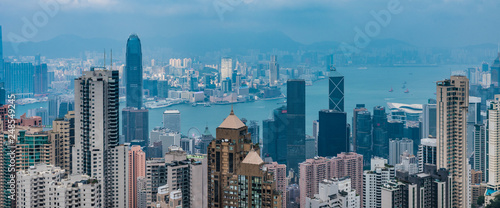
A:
[(391, 90), (407, 91)]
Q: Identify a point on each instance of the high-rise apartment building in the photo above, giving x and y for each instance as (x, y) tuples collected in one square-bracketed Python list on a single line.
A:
[(427, 153), (334, 193), (494, 144), (96, 152), (452, 104), (136, 169), (133, 72), (43, 186), (279, 173), (62, 138), (397, 147), (33, 147), (373, 179), (349, 164), (312, 171), (480, 157), (236, 175)]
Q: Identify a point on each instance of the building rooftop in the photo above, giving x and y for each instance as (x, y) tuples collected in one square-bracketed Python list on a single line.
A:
[(232, 122), (253, 158)]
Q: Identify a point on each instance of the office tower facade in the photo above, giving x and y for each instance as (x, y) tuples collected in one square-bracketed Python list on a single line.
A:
[(64, 107), (379, 174), (397, 147), (429, 120), (296, 128), (136, 169), (312, 171), (232, 159), (336, 91), (163, 87), (53, 107), (226, 68), (494, 144), (332, 130), (380, 136), (2, 72), (135, 125), (62, 138), (362, 132), (452, 105), (19, 77), (40, 112), (274, 71), (254, 130), (279, 173), (346, 197), (96, 152), (427, 153), (40, 82), (480, 157), (133, 72), (51, 190), (274, 132), (172, 120)]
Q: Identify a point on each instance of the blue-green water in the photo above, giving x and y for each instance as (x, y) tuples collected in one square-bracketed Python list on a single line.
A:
[(362, 86)]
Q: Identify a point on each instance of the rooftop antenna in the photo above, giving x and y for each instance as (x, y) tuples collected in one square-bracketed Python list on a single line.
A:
[(104, 58)]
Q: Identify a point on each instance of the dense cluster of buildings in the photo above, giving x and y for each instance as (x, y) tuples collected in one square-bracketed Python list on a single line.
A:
[(444, 153)]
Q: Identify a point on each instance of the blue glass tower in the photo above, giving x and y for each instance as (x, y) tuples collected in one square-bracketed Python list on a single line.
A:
[(133, 72)]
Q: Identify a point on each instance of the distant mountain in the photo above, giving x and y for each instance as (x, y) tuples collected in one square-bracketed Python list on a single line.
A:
[(239, 42)]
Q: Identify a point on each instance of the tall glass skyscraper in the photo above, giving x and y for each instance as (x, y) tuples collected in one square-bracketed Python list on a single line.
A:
[(133, 72), (333, 136), (336, 88), (296, 129)]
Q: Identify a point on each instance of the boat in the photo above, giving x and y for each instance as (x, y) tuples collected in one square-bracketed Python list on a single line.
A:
[(194, 104), (391, 90), (407, 91), (207, 105)]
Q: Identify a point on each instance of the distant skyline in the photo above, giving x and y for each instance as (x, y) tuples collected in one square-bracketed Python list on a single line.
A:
[(426, 23)]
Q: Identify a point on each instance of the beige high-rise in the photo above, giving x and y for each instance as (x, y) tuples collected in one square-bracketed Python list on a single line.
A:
[(452, 105), (494, 144)]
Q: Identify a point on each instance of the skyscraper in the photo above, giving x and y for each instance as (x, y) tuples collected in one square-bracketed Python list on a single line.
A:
[(135, 125), (62, 137), (362, 132), (380, 137), (274, 132), (19, 77), (2, 71), (494, 144), (427, 153), (172, 120), (96, 152), (226, 68), (133, 72), (336, 90), (235, 167), (480, 157), (296, 129), (452, 104), (473, 117), (429, 120), (274, 71), (332, 130), (397, 148)]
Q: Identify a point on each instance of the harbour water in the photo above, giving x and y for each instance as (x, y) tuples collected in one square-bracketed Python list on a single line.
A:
[(362, 86)]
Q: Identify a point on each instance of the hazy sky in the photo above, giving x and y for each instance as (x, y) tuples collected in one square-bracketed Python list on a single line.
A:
[(420, 22)]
